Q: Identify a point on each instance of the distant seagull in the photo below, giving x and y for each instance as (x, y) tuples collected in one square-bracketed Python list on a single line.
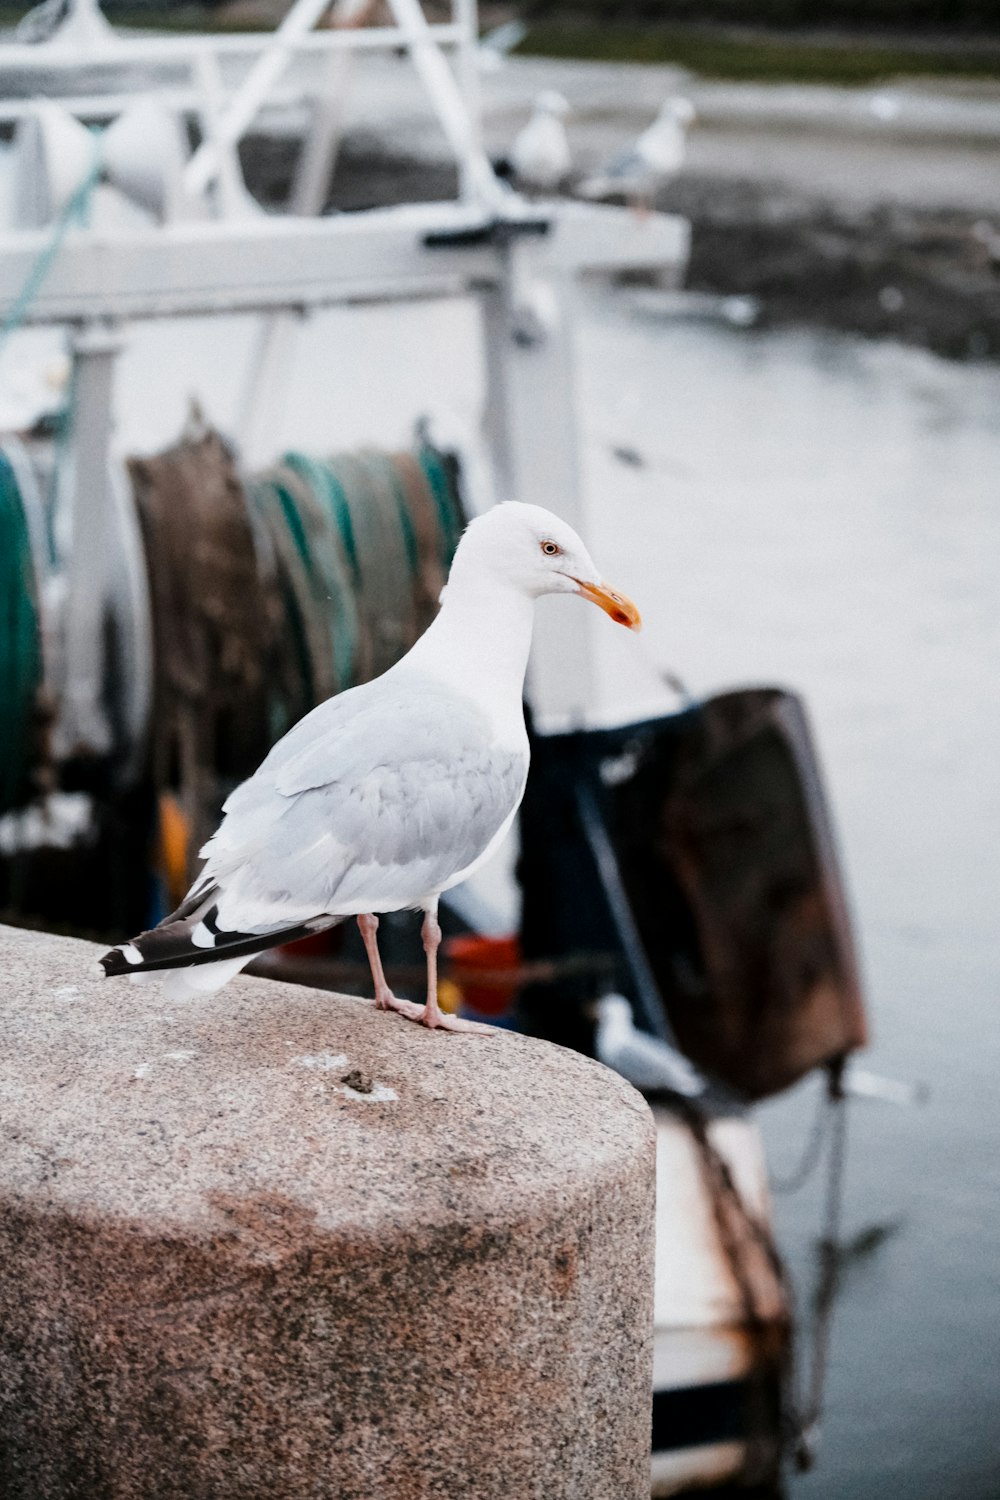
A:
[(885, 108), (647, 1063), (388, 794), (985, 234), (639, 172), (540, 156), (497, 45)]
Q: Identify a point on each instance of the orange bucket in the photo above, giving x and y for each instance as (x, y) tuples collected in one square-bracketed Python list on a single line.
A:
[(485, 970)]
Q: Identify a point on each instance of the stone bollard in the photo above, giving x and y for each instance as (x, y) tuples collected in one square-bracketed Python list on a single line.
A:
[(273, 1244)]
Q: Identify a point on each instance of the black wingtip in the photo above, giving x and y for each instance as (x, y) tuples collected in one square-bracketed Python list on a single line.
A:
[(113, 962)]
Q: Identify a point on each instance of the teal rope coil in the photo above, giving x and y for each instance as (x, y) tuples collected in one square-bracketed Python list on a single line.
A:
[(20, 631), (350, 554), (349, 559), (322, 479), (445, 498), (314, 580), (20, 645)]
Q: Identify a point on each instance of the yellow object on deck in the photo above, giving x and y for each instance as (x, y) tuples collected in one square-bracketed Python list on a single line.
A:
[(175, 840)]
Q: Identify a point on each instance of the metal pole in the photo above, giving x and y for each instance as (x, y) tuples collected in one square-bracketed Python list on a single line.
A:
[(252, 92), (83, 726), (533, 432), (261, 407), (321, 145), (232, 193), (479, 180), (163, 47), (497, 422), (647, 991), (465, 14)]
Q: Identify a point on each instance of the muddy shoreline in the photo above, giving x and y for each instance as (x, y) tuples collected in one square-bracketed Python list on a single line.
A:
[(929, 277), (926, 276)]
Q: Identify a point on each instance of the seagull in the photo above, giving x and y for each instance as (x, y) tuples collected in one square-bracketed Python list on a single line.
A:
[(885, 107), (497, 45), (650, 162), (647, 1062), (540, 156), (389, 794)]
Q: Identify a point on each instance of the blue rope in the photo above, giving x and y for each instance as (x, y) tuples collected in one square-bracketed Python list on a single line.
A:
[(77, 208)]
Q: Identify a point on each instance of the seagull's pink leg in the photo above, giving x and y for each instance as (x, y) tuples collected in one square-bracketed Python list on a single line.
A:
[(433, 1015), (384, 998)]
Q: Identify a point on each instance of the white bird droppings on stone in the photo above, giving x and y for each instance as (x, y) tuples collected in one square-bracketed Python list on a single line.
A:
[(184, 1054), (379, 1093), (142, 1070), (323, 1062)]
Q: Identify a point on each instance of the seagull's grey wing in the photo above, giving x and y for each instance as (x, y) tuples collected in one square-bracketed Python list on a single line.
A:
[(626, 165), (371, 806)]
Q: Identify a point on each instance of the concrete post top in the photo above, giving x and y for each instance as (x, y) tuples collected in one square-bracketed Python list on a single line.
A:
[(275, 1242), (276, 1114)]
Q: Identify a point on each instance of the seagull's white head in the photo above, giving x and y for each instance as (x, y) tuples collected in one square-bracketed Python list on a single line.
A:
[(678, 110), (550, 103), (529, 548)]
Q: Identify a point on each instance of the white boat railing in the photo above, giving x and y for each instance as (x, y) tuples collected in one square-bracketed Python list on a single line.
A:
[(520, 261), (84, 39)]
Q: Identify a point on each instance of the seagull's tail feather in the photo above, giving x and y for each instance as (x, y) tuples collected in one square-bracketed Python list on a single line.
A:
[(189, 983), (191, 937)]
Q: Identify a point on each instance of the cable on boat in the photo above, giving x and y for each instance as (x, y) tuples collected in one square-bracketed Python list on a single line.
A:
[(750, 1249), (812, 1152), (809, 1402)]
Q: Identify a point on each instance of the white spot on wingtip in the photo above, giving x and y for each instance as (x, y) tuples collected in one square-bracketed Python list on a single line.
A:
[(323, 1062), (201, 937), (130, 953)]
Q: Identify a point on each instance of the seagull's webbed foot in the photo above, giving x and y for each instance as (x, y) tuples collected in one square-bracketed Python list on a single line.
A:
[(439, 1020), (386, 1000), (430, 1015), (444, 1021)]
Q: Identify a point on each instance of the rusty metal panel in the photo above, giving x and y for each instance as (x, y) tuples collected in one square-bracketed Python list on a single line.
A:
[(728, 856), (699, 849)]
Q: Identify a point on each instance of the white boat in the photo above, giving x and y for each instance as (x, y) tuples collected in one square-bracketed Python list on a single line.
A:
[(721, 1312)]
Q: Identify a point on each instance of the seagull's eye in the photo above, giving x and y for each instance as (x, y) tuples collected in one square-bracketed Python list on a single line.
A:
[(551, 549)]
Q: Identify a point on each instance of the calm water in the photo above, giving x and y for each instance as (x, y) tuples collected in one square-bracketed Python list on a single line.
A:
[(824, 514), (827, 515)]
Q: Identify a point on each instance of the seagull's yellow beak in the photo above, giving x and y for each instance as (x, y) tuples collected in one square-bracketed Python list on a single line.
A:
[(618, 606)]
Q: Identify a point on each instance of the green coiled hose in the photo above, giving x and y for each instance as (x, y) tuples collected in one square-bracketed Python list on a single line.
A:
[(20, 645)]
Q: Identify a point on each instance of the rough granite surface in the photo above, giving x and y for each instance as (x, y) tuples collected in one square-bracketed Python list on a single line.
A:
[(228, 1274)]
